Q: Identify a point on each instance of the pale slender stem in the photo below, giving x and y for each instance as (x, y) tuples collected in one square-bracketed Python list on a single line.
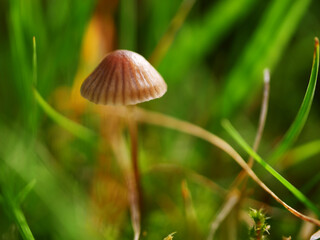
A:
[(262, 121), (223, 213), (232, 199), (119, 148), (263, 113), (133, 131)]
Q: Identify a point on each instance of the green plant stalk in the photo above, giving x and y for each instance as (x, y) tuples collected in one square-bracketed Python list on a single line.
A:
[(22, 224), (73, 127), (25, 191), (34, 62), (12, 207), (237, 137), (303, 113), (33, 109), (20, 61)]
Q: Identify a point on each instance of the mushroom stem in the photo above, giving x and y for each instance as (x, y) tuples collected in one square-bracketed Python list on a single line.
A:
[(133, 132), (119, 148)]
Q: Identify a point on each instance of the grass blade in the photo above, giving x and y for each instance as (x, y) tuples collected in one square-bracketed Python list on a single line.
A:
[(196, 39), (33, 108), (25, 191), (59, 197), (265, 49), (128, 25), (22, 224), (262, 121), (167, 39), (34, 62), (196, 131), (303, 113), (73, 127), (11, 203), (236, 136), (303, 152)]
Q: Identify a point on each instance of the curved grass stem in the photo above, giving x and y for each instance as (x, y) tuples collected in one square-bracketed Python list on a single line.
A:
[(234, 197), (262, 120), (194, 130), (299, 195), (232, 200)]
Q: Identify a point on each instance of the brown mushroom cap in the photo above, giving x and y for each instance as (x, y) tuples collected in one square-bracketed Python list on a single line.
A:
[(123, 78)]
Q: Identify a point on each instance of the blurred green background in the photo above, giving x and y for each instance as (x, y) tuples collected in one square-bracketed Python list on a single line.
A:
[(65, 188)]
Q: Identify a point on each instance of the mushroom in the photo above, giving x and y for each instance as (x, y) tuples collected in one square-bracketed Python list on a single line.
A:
[(125, 78)]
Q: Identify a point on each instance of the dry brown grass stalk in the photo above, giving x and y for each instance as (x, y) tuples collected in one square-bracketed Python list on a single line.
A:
[(194, 130)]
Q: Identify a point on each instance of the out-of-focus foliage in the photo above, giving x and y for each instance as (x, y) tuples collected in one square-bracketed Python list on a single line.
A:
[(213, 69)]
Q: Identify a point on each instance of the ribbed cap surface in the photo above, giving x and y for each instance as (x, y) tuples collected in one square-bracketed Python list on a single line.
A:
[(123, 78)]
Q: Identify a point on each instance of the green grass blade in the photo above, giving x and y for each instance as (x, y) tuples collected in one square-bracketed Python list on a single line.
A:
[(73, 127), (22, 224), (33, 108), (237, 137), (167, 39), (303, 152), (197, 39), (263, 50), (128, 25), (34, 62), (19, 59), (59, 196), (303, 113), (12, 207), (25, 191)]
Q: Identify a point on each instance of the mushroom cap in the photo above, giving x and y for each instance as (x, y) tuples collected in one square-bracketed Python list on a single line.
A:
[(123, 78)]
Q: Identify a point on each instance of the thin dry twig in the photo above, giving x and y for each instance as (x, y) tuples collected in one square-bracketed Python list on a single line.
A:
[(262, 120), (263, 113), (194, 130), (233, 198)]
